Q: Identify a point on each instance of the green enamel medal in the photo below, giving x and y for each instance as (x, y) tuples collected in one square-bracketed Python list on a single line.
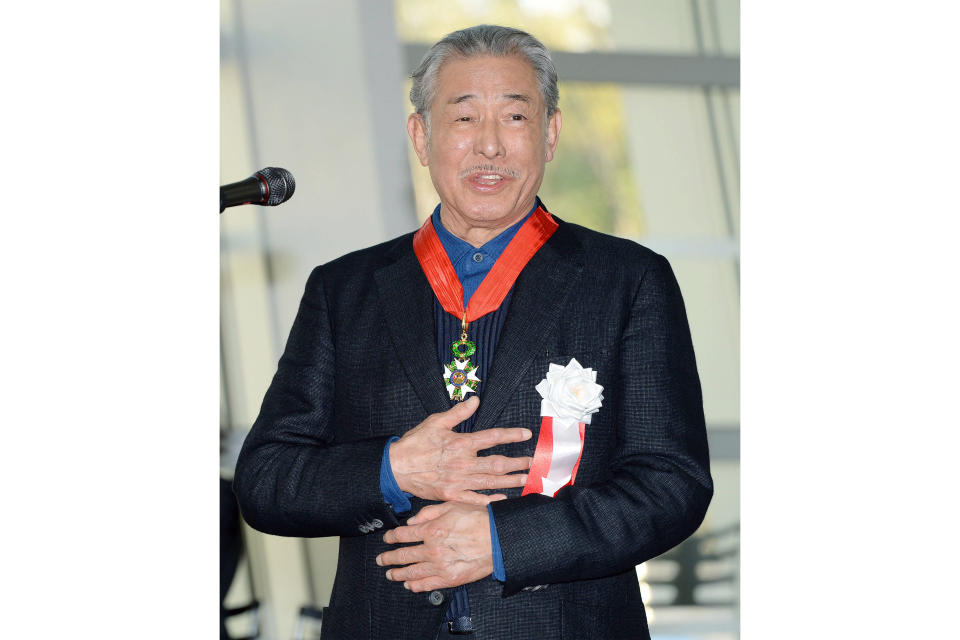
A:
[(460, 376)]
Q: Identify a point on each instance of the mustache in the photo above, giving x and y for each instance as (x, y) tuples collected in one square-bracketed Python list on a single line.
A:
[(489, 168)]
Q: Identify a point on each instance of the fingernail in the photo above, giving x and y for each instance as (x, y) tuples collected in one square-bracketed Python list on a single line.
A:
[(390, 574), (379, 562), (527, 434), (406, 585), (412, 520)]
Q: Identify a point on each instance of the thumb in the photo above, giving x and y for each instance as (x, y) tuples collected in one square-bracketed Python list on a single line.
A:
[(429, 512), (460, 412)]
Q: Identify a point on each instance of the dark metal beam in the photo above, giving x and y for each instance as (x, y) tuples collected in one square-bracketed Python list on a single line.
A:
[(628, 68)]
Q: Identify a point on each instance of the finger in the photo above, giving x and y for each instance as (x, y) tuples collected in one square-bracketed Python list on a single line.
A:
[(472, 497), (417, 571), (457, 413), (426, 584), (502, 464), (404, 534), (509, 481), (428, 513), (487, 499), (403, 555), (492, 437)]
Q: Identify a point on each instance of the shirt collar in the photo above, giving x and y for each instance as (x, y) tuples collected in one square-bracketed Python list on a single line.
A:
[(456, 248)]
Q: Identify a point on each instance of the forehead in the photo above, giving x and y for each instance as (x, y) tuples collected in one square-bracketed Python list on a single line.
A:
[(487, 78)]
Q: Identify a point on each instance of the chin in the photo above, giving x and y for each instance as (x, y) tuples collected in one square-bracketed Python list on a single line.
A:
[(491, 214), (492, 208)]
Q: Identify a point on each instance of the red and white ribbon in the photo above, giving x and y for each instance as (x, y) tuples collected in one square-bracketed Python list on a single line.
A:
[(557, 458), (570, 396)]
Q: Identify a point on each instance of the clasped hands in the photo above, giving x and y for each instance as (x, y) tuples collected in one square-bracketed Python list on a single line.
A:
[(434, 462)]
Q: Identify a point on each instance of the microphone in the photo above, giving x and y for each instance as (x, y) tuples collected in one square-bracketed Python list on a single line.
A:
[(270, 186)]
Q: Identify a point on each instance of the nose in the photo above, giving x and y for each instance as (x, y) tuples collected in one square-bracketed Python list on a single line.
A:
[(488, 142)]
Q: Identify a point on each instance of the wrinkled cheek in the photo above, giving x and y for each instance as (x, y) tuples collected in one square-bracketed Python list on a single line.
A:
[(451, 154)]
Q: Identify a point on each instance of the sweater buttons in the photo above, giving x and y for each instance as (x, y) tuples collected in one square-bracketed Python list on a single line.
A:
[(436, 598)]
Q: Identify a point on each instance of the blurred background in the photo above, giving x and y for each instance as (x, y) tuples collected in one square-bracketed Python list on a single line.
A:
[(649, 150)]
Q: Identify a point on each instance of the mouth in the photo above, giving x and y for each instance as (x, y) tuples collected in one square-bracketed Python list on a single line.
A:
[(487, 181)]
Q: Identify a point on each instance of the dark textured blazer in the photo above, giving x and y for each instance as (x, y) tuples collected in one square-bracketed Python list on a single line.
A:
[(361, 365)]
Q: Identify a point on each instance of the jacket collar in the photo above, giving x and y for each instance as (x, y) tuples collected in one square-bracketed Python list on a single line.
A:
[(538, 298)]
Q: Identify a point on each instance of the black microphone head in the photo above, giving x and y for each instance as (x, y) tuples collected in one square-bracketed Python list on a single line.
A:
[(280, 184)]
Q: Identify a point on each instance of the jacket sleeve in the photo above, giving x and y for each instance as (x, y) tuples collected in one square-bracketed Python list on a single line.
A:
[(659, 485), (293, 476)]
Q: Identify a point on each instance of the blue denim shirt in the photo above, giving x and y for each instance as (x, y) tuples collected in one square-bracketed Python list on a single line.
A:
[(471, 265)]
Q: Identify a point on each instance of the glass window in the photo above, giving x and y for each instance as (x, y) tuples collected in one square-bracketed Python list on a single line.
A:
[(710, 27), (568, 25)]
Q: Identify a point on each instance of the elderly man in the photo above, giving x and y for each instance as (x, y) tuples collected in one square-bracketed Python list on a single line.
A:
[(499, 415)]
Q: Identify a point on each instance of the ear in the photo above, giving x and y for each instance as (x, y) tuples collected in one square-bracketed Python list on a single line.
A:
[(553, 133), (417, 130)]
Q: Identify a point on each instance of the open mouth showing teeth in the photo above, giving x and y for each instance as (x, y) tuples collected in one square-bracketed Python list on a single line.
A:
[(488, 178)]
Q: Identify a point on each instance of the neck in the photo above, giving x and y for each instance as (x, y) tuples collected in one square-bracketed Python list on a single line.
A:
[(475, 235)]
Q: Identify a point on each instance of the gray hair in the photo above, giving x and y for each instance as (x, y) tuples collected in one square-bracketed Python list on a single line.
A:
[(483, 40)]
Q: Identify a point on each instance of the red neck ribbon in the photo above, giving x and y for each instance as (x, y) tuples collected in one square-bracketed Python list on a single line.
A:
[(443, 278)]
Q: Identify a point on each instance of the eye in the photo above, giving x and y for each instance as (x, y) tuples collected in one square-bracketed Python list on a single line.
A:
[(464, 119), (518, 116)]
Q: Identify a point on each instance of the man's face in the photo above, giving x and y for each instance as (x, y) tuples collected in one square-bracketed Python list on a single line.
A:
[(487, 147)]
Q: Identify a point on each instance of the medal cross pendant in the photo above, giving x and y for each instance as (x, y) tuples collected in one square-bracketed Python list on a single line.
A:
[(460, 377)]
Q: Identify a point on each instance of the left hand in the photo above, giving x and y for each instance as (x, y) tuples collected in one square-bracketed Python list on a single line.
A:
[(456, 547)]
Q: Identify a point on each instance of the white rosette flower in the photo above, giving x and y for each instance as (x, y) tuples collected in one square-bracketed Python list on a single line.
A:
[(570, 392), (570, 395)]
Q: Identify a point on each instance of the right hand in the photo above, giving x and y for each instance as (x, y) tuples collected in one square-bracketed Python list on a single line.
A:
[(434, 462)]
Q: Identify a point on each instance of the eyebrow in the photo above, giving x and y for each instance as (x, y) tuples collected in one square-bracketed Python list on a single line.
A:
[(518, 97)]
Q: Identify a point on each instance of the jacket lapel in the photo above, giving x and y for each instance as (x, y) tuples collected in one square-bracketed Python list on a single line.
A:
[(538, 296), (407, 300)]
